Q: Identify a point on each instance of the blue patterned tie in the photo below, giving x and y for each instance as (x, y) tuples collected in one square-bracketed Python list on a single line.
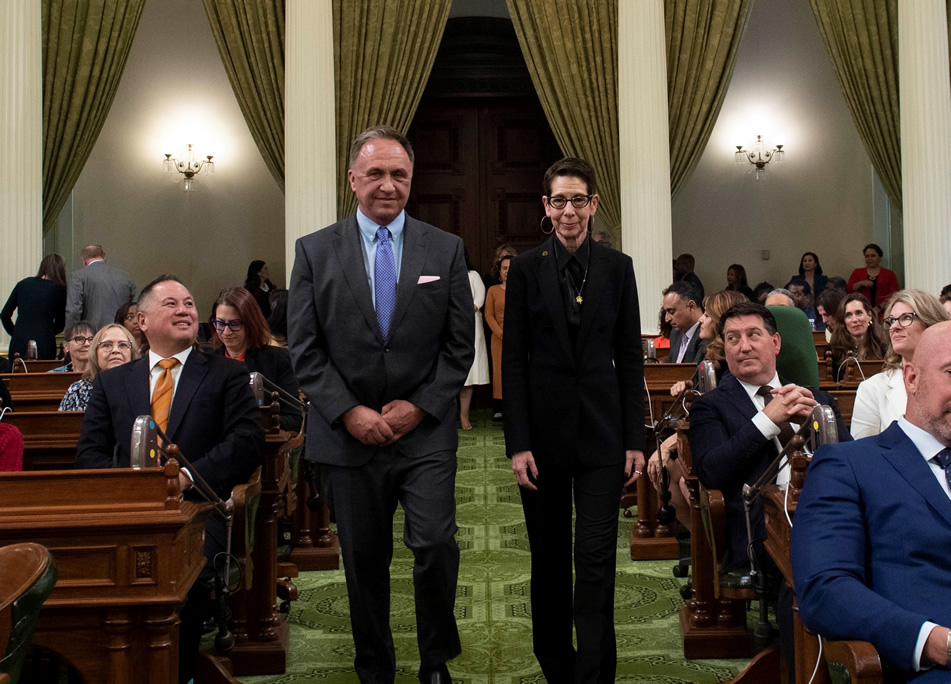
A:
[(943, 458), (384, 277)]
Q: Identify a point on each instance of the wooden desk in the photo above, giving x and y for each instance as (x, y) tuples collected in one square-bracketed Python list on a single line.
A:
[(127, 550), (49, 437), (37, 366), (38, 391)]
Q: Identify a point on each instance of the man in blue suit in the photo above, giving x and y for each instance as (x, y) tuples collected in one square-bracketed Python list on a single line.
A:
[(871, 543)]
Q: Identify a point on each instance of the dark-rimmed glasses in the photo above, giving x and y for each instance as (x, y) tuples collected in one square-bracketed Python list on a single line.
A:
[(79, 339), (220, 325), (904, 320), (578, 201), (109, 346)]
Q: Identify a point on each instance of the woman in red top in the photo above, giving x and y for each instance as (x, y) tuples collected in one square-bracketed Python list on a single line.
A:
[(878, 284)]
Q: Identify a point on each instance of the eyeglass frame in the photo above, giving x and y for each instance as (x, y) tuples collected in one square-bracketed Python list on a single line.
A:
[(79, 339), (234, 325), (112, 345), (553, 201), (910, 316)]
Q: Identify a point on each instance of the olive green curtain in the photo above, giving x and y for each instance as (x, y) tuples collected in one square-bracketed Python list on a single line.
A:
[(383, 54), (702, 41), (862, 39), (85, 46), (250, 39), (570, 47)]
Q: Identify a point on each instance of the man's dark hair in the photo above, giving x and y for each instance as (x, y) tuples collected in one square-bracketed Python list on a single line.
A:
[(830, 300), (748, 309), (800, 281), (761, 291), (572, 167), (838, 283), (687, 260), (146, 292), (685, 291), (380, 133)]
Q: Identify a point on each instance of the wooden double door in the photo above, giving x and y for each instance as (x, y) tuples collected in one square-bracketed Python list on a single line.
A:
[(479, 168)]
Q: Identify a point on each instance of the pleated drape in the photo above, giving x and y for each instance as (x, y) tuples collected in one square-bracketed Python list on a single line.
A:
[(383, 54), (85, 47), (862, 39), (250, 39), (702, 41)]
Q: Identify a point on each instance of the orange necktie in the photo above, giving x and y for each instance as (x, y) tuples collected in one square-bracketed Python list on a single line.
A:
[(162, 395)]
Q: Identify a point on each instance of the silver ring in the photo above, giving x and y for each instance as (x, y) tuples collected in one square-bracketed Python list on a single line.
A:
[(637, 472)]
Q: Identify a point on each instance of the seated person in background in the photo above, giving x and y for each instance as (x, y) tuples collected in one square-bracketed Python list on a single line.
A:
[(837, 283), (126, 316), (880, 399), (857, 333), (663, 340), (761, 292), (826, 307), (780, 296), (683, 272), (802, 297), (112, 346), (241, 333), (871, 543), (736, 280), (203, 403), (946, 298), (277, 321), (76, 343), (682, 309)]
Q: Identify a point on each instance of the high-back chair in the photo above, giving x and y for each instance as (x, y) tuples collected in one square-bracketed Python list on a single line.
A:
[(27, 576)]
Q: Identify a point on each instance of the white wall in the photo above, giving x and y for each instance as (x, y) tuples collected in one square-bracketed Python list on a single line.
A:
[(175, 91), (823, 199)]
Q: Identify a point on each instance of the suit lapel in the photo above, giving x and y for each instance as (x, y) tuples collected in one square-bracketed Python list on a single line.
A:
[(737, 396), (350, 256), (597, 279), (905, 458), (415, 247), (193, 373), (546, 272), (138, 387)]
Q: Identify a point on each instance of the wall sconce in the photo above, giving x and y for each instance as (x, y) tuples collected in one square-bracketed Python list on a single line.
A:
[(759, 156), (186, 170)]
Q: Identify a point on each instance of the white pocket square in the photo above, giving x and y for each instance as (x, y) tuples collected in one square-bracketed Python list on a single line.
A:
[(427, 279)]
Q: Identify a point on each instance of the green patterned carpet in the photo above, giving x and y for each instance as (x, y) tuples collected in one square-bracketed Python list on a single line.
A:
[(492, 603)]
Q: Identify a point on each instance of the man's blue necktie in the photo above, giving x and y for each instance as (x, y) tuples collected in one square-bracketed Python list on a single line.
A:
[(943, 458), (384, 278)]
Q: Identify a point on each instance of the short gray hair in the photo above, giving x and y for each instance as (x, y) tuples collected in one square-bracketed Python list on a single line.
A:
[(379, 133)]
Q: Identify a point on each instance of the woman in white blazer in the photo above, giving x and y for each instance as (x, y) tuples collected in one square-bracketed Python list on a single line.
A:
[(880, 400)]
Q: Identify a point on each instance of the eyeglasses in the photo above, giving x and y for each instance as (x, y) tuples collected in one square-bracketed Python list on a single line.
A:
[(109, 346), (578, 201), (220, 325), (79, 339), (904, 320)]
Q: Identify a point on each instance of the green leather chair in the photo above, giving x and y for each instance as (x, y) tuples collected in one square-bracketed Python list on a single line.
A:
[(797, 360), (27, 576)]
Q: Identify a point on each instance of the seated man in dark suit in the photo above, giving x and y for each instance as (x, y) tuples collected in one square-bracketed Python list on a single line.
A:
[(683, 272), (871, 541), (203, 403), (683, 311)]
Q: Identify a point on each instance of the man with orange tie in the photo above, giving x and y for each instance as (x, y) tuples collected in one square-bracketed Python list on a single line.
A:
[(202, 402)]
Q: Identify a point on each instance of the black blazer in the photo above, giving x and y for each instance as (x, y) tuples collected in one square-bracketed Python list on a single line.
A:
[(572, 406), (214, 418), (274, 363), (41, 314), (728, 451), (338, 352)]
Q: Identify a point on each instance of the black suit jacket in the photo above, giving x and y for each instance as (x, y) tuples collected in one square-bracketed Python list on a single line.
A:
[(695, 348), (214, 418), (728, 451), (564, 404), (274, 363), (338, 352)]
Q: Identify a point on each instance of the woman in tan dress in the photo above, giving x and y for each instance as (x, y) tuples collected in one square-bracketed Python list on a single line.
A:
[(495, 317)]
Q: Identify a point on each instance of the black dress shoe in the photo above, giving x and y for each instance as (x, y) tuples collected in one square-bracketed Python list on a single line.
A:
[(435, 675)]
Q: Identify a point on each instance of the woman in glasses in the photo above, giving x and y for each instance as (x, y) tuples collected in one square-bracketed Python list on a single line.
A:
[(881, 399), (76, 345), (112, 346), (242, 333)]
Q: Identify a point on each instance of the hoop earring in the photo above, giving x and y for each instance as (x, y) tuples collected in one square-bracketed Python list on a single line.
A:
[(541, 225)]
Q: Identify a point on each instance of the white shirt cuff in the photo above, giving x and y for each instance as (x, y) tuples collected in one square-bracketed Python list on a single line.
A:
[(923, 635), (768, 428)]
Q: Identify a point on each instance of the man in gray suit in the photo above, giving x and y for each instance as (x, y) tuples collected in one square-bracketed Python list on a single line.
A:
[(381, 339), (97, 290), (682, 310)]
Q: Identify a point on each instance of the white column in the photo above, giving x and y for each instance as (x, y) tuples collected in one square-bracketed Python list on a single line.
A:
[(21, 139), (925, 142), (645, 150), (310, 200)]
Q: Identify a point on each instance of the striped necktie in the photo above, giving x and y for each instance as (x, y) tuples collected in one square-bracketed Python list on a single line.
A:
[(384, 280), (943, 458), (162, 394)]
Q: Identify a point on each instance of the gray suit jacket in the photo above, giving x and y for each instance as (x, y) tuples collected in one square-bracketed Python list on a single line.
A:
[(695, 348), (338, 352), (96, 292)]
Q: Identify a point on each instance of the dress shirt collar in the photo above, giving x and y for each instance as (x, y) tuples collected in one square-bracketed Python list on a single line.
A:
[(926, 443), (694, 329), (368, 228), (182, 356), (563, 256), (752, 390)]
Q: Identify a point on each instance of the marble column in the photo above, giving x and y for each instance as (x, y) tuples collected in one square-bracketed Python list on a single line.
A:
[(645, 150), (309, 122), (21, 139), (925, 142)]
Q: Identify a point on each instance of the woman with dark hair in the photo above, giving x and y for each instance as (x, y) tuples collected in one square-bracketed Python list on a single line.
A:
[(857, 333), (241, 333), (40, 303), (736, 280), (126, 317), (811, 271), (76, 348), (277, 321), (827, 307), (494, 277), (874, 281), (259, 286)]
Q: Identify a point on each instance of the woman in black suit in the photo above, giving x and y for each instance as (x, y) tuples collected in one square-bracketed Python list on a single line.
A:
[(40, 302), (240, 332)]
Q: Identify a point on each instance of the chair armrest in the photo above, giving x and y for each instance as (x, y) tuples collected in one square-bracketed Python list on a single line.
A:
[(859, 657), (245, 498)]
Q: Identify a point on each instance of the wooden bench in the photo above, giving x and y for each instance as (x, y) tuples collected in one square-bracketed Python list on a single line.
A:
[(853, 375), (49, 437), (38, 391), (36, 365)]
